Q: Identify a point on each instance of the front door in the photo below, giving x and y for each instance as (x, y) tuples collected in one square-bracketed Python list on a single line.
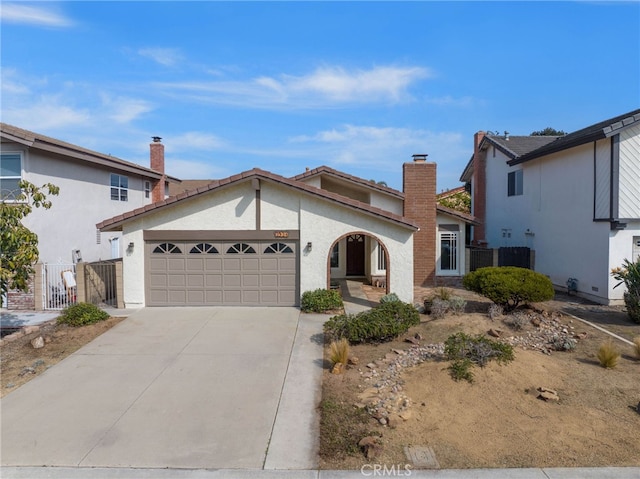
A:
[(355, 255)]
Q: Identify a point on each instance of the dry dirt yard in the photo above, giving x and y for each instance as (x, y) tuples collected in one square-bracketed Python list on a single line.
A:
[(498, 420), (20, 361)]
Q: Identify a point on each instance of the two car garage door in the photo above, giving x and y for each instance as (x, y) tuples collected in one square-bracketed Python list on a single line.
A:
[(210, 273)]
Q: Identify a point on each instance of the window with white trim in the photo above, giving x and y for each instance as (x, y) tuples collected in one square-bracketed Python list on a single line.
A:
[(147, 189), (10, 175), (448, 239), (119, 187), (514, 183), (382, 258)]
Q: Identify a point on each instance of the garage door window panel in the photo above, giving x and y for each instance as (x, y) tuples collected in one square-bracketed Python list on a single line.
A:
[(204, 248), (241, 248), (167, 248)]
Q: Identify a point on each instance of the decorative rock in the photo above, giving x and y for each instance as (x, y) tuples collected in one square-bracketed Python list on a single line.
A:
[(411, 340), (370, 446), (353, 360), (393, 421), (26, 370), (371, 366), (496, 333), (383, 421), (548, 394), (31, 329), (38, 342), (418, 336), (406, 415)]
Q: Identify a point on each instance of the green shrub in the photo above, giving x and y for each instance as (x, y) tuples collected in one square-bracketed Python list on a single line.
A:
[(465, 350), (389, 298), (320, 301), (80, 314), (508, 286), (379, 324)]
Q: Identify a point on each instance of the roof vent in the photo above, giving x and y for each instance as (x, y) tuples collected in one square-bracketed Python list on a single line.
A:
[(156, 139), (420, 158), (506, 135)]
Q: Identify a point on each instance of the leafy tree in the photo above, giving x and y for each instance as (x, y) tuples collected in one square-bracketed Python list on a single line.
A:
[(460, 201), (548, 131), (18, 244)]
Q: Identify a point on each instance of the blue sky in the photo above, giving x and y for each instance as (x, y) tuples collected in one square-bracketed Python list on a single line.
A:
[(358, 86)]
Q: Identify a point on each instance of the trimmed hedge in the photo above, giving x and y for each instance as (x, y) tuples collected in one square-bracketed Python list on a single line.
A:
[(380, 324), (80, 314), (320, 301), (508, 286)]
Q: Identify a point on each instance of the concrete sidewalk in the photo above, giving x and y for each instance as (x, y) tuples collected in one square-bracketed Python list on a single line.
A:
[(176, 388), (116, 473)]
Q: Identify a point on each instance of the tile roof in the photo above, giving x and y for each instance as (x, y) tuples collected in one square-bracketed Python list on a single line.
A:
[(516, 146), (256, 173), (591, 133), (466, 217), (350, 178), (186, 185), (42, 142)]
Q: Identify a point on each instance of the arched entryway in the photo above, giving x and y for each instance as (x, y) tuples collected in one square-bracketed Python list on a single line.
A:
[(361, 256)]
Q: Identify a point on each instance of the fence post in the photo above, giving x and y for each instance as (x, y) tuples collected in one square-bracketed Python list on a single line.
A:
[(38, 293), (119, 286), (467, 260), (81, 287), (496, 257), (532, 260)]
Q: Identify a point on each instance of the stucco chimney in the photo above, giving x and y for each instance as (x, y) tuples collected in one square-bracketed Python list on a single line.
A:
[(479, 188), (419, 186), (157, 164)]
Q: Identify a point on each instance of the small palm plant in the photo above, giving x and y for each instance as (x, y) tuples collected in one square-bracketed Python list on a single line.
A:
[(629, 275), (608, 355)]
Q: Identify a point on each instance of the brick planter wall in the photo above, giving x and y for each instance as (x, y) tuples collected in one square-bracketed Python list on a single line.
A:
[(22, 300)]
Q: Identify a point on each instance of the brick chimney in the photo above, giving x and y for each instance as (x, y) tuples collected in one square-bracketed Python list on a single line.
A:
[(419, 186), (479, 188), (157, 164)]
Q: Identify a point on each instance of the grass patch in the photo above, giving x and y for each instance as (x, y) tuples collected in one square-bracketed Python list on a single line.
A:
[(636, 347), (608, 355), (342, 426), (339, 352)]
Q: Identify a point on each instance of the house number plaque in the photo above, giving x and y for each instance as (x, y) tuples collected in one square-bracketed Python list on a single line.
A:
[(281, 234)]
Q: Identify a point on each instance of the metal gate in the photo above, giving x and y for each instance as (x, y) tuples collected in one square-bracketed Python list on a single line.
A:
[(514, 256), (100, 282), (58, 286), (480, 258)]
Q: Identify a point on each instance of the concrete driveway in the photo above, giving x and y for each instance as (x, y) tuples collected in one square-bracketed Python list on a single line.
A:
[(177, 388)]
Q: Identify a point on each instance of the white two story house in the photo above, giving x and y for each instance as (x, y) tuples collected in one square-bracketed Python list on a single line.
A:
[(92, 185), (574, 199)]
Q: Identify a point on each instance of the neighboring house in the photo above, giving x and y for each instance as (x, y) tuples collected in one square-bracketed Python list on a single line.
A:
[(92, 185), (574, 199), (258, 238)]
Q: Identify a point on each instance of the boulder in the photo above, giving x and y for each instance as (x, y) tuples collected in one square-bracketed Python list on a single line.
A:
[(38, 342)]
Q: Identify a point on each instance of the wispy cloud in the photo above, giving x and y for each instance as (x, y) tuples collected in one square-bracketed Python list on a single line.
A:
[(328, 86), (383, 149), (164, 56), (193, 140), (33, 15), (124, 109), (48, 112)]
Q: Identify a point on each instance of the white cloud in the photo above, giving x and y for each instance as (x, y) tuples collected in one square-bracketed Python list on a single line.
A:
[(164, 56), (193, 140), (195, 169), (369, 150), (124, 109), (48, 112), (324, 87), (33, 15)]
